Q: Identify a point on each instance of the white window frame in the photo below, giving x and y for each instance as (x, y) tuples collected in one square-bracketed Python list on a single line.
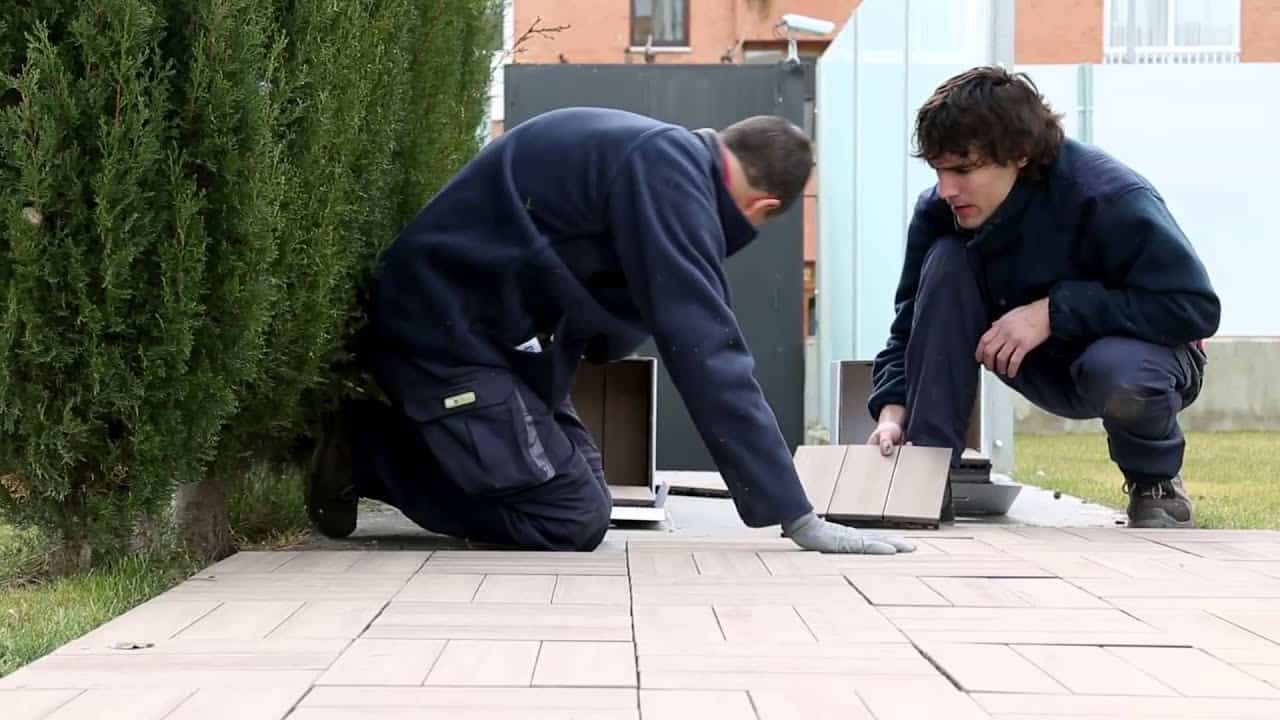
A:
[(1170, 51)]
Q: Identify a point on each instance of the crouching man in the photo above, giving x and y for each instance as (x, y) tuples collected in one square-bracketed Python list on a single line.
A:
[(578, 233), (1059, 269)]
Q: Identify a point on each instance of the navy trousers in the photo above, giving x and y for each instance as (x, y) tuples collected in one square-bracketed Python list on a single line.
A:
[(494, 464), (1137, 388)]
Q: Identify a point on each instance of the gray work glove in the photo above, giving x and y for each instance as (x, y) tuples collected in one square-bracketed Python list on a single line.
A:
[(813, 533)]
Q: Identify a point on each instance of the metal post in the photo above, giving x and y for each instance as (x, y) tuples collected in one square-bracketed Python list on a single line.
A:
[(1131, 34), (1003, 27)]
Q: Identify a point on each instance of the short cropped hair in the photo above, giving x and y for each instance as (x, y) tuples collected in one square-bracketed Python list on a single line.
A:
[(997, 115), (776, 156)]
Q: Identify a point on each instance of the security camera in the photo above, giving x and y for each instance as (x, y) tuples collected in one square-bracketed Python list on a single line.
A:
[(806, 24)]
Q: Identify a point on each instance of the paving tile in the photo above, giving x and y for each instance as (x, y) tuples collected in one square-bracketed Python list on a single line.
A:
[(485, 662), (896, 590), (393, 562), (1262, 655), (252, 562), (1194, 673), (855, 624), (276, 587), (729, 563), (790, 564), (1027, 626), (863, 484), (1214, 605), (153, 621), (432, 713), (322, 562), (592, 590), (764, 657), (1205, 630), (326, 619), (763, 680), (695, 705), (919, 481), (456, 701), (1267, 673), (679, 543), (1093, 671), (705, 590), (1066, 565), (896, 698), (1049, 593), (234, 654), (384, 662), (769, 623), (662, 627), (1180, 588), (990, 668), (1128, 707), (34, 704), (579, 664), (122, 704), (662, 563), (502, 621), (501, 562), (247, 620), (964, 546), (53, 674), (253, 704), (832, 702), (818, 467), (975, 592), (440, 588), (941, 566), (516, 589), (1265, 623)]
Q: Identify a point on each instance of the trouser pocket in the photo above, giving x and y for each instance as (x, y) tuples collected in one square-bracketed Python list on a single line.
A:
[(484, 437)]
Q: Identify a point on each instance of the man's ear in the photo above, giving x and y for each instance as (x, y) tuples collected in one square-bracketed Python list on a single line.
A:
[(1022, 162), (764, 208)]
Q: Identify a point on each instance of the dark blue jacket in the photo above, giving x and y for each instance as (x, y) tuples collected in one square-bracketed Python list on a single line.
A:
[(1093, 236), (598, 228)]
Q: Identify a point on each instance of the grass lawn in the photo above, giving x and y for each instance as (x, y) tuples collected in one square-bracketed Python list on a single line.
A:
[(1231, 477), (38, 613)]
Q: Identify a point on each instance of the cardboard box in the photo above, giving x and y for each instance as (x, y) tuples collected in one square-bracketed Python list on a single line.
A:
[(853, 424), (618, 404)]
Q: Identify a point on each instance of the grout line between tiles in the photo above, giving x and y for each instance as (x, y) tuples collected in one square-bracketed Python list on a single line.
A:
[(172, 710), (1176, 692), (207, 613), (804, 622), (936, 666), (719, 625), (286, 619)]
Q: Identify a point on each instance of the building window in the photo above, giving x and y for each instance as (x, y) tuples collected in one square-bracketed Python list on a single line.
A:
[(664, 22), (1172, 31)]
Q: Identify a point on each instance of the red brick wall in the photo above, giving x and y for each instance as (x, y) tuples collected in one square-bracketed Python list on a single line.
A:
[(1259, 31), (1058, 31), (600, 30)]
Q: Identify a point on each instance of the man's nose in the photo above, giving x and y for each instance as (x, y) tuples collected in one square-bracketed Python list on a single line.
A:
[(948, 188)]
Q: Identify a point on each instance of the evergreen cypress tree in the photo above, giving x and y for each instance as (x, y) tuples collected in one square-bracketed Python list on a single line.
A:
[(189, 194)]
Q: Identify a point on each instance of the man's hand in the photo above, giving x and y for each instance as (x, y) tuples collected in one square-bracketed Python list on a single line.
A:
[(888, 432), (1018, 332)]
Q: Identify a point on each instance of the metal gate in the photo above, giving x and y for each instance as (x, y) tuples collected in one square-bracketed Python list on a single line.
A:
[(766, 278)]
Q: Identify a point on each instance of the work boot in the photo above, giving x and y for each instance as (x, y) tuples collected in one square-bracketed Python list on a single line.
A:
[(1162, 504), (330, 491)]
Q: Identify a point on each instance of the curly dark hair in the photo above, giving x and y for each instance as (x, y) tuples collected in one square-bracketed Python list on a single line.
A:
[(997, 115)]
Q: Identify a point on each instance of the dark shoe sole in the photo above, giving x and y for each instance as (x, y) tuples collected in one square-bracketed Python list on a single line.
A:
[(1158, 520), (331, 514)]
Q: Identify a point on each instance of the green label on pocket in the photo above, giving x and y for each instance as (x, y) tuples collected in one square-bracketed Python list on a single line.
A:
[(457, 401)]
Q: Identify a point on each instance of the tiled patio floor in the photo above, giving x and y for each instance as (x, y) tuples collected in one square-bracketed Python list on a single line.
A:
[(1015, 623)]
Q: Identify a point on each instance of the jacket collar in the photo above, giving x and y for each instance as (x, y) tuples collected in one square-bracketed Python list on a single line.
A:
[(1002, 229), (738, 230)]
